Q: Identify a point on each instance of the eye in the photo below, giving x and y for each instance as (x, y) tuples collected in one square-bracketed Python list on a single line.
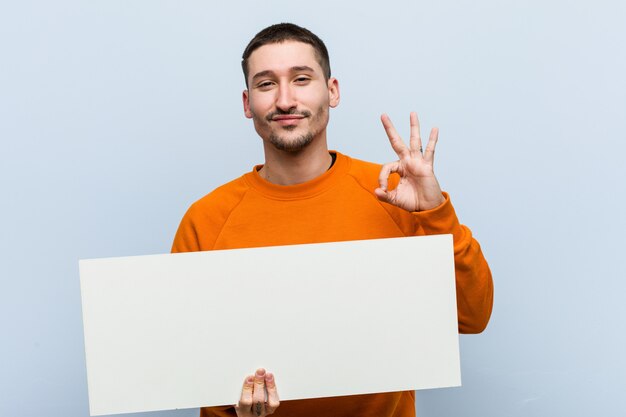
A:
[(265, 85), (302, 80)]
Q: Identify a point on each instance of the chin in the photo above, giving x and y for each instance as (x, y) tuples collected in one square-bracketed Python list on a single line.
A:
[(294, 144)]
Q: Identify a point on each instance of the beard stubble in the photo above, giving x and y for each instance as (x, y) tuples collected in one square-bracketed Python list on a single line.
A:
[(298, 143)]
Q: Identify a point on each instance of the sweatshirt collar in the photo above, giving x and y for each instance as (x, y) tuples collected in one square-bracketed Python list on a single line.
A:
[(303, 190)]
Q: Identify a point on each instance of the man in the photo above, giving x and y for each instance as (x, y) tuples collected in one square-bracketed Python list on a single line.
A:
[(305, 194)]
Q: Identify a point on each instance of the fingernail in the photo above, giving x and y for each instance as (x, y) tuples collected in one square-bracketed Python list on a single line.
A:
[(269, 376), (250, 379), (260, 372)]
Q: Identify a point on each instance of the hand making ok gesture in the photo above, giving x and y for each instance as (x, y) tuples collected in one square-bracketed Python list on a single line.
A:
[(418, 189)]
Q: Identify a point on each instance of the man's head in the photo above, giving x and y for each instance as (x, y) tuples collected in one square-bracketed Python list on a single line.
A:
[(282, 32), (289, 92)]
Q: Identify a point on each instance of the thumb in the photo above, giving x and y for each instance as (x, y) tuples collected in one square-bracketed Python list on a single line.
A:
[(382, 195)]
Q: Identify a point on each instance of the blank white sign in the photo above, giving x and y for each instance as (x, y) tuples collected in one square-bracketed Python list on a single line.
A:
[(183, 330)]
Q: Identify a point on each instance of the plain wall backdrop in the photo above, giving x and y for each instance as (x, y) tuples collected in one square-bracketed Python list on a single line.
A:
[(116, 115)]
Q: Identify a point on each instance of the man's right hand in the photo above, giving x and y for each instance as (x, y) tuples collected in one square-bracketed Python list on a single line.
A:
[(258, 396)]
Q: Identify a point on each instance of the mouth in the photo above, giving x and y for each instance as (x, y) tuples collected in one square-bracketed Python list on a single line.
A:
[(287, 119), (292, 114)]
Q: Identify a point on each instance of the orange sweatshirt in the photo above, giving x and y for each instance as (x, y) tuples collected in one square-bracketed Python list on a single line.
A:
[(339, 205)]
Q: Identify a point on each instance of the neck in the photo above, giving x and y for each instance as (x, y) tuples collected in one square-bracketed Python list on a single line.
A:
[(290, 168)]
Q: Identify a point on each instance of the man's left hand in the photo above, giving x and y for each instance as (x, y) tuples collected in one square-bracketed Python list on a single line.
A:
[(418, 189)]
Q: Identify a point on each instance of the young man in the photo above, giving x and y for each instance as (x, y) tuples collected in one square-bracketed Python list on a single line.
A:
[(305, 194)]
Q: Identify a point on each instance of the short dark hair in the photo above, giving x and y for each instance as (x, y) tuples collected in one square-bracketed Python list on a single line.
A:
[(282, 32)]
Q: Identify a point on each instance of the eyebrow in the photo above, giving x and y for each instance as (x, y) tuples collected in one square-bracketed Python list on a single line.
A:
[(298, 68)]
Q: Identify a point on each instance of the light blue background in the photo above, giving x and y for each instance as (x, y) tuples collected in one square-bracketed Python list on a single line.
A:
[(116, 115)]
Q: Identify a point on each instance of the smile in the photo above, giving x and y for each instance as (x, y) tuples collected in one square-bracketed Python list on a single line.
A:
[(287, 119)]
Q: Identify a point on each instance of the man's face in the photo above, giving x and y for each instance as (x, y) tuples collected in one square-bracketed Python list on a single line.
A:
[(288, 97)]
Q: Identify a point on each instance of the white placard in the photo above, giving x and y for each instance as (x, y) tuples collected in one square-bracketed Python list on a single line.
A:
[(183, 330)]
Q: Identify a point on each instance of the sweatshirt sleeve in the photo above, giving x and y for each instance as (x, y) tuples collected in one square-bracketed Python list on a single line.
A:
[(474, 284), (186, 239)]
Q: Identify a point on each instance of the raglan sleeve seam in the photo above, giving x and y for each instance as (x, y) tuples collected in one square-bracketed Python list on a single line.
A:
[(230, 213)]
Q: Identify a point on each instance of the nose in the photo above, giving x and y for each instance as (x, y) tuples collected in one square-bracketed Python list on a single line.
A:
[(286, 99)]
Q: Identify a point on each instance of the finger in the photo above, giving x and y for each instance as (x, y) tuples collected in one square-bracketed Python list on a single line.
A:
[(272, 394), (258, 396), (429, 154), (245, 402), (396, 141), (385, 196), (385, 171), (415, 142)]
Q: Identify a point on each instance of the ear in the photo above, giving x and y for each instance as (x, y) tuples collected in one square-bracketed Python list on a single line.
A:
[(333, 92), (246, 104)]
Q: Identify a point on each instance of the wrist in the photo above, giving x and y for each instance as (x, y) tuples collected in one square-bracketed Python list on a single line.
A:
[(431, 204)]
